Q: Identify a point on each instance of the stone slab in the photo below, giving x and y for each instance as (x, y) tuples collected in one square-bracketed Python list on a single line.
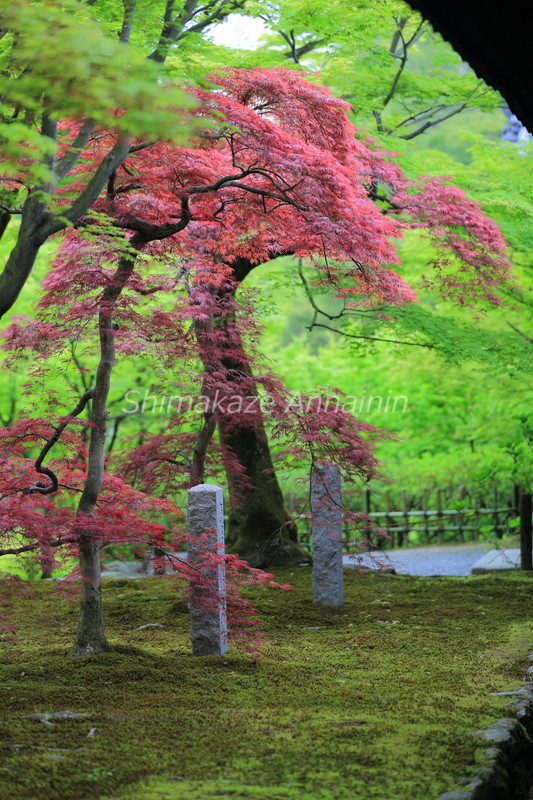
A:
[(205, 518), (326, 510), (497, 561)]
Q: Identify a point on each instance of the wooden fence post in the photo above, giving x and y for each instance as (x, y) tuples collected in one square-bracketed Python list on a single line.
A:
[(525, 532), (425, 507), (368, 501), (368, 509), (440, 532), (496, 520), (405, 520), (389, 521), (476, 517), (462, 495)]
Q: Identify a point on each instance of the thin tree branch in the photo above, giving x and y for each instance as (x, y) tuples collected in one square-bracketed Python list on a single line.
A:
[(116, 425), (176, 28), (403, 58), (141, 146), (317, 310), (79, 367), (15, 551), (430, 123), (427, 112), (75, 149), (217, 16), (400, 25), (524, 335), (296, 53), (360, 336)]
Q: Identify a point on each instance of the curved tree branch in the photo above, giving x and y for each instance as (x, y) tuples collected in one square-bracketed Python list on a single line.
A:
[(371, 338), (343, 313), (27, 548), (58, 430)]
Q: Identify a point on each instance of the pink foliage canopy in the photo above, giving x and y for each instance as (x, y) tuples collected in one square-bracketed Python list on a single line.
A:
[(273, 168)]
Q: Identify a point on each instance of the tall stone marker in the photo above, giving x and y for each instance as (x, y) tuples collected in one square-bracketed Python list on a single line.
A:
[(326, 514), (205, 516)]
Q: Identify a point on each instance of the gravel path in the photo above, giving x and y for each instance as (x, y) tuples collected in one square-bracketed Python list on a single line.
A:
[(436, 560)]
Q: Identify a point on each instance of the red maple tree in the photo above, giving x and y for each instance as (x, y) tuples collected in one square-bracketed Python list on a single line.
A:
[(274, 168)]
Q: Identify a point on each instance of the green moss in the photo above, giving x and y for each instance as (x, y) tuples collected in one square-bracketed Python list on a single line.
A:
[(377, 699)]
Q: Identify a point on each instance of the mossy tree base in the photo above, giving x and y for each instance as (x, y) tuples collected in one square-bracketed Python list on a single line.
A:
[(260, 528), (268, 554), (90, 637), (84, 649)]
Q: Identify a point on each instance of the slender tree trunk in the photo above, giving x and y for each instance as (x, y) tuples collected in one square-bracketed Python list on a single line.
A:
[(201, 447), (90, 636)]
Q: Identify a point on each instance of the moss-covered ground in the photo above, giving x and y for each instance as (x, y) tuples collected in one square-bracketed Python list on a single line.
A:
[(378, 699)]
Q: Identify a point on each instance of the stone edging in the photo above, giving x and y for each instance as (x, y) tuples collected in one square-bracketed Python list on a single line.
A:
[(509, 772)]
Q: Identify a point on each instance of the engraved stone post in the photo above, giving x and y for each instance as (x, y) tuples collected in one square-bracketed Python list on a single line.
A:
[(209, 629), (326, 512)]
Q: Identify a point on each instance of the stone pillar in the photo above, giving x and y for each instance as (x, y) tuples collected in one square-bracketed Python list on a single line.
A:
[(326, 513), (205, 516)]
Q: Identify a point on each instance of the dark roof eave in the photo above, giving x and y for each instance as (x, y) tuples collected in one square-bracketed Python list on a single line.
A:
[(494, 41)]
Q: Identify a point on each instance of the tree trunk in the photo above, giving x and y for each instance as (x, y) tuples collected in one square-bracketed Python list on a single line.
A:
[(90, 637), (22, 258), (46, 561), (200, 449), (37, 225), (260, 528)]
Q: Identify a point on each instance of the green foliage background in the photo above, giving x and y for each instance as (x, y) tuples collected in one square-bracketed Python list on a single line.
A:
[(467, 417)]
